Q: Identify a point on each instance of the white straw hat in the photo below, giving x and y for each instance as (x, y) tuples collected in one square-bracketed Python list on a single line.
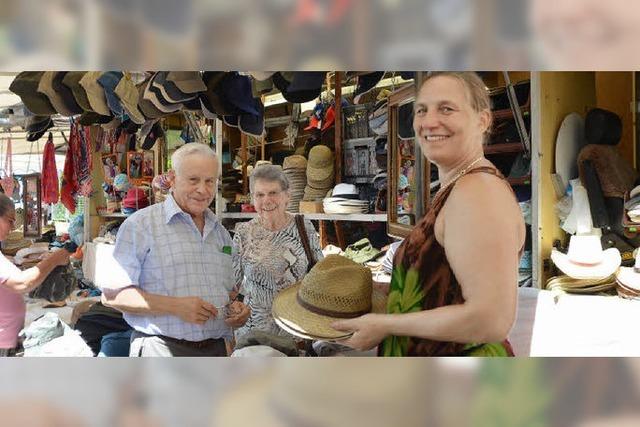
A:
[(585, 259)]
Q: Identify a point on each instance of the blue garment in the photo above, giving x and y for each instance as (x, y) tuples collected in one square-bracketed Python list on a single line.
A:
[(162, 251), (115, 344)]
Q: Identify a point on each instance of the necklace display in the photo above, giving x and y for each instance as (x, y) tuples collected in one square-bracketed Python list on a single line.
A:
[(459, 174)]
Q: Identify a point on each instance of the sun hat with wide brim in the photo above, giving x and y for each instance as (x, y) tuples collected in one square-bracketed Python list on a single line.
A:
[(25, 85), (95, 93), (127, 92), (335, 288), (585, 259)]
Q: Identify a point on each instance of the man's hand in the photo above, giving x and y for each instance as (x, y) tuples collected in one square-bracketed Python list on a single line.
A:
[(237, 314), (194, 310)]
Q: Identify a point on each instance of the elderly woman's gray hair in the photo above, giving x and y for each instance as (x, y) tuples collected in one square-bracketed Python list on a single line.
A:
[(192, 149), (269, 173), (6, 204)]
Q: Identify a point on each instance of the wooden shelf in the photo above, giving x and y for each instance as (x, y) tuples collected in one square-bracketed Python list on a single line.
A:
[(525, 180), (315, 216), (509, 147), (114, 215)]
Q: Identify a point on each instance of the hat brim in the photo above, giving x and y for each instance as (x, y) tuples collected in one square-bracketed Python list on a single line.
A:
[(629, 279), (301, 321), (610, 263)]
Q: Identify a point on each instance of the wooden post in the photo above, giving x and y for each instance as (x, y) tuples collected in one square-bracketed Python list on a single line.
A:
[(338, 127), (243, 155)]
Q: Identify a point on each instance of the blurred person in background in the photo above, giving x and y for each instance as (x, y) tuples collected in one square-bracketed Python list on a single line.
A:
[(177, 260), (454, 281), (14, 283), (269, 254)]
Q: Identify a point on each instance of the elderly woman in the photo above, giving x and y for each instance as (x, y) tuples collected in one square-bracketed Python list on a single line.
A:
[(268, 254), (454, 281), (15, 282)]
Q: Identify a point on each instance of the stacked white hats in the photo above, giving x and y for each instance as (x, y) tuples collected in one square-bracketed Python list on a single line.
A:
[(344, 199), (628, 280), (586, 259), (295, 168), (320, 173)]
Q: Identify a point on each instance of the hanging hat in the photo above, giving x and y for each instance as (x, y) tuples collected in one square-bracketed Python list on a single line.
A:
[(212, 99), (602, 127), (154, 94), (150, 136), (25, 85), (169, 90), (36, 126), (335, 288), (60, 96), (95, 93), (366, 82), (236, 91), (148, 109), (261, 86), (585, 259), (71, 80), (299, 86), (188, 82), (253, 124), (261, 75), (128, 94), (89, 118), (405, 121), (109, 81), (230, 121)]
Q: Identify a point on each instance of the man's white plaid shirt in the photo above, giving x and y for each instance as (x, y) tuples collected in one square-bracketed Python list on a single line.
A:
[(162, 252)]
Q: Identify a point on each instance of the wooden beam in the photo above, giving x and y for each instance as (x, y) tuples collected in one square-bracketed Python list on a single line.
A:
[(243, 155), (338, 127)]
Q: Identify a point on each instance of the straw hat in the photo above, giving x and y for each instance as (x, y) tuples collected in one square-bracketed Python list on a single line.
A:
[(586, 259), (335, 288), (294, 162), (320, 164)]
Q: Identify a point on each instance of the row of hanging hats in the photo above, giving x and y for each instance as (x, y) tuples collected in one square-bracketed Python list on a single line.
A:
[(104, 97), (295, 169)]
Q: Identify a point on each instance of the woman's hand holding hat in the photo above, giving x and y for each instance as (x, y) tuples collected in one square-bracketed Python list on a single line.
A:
[(368, 331)]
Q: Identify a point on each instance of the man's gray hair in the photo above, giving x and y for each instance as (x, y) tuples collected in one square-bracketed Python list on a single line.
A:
[(269, 173), (193, 148), (6, 204)]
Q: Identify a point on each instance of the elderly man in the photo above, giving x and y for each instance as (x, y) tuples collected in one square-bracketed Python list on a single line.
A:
[(177, 259)]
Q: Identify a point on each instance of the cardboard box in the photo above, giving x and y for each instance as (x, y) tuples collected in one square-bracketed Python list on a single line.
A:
[(311, 207)]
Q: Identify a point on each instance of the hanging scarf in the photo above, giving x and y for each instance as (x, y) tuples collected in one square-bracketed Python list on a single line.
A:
[(49, 173), (7, 181), (81, 158), (69, 185)]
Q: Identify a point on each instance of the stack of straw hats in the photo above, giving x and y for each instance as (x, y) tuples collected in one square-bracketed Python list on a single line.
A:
[(320, 173), (295, 169)]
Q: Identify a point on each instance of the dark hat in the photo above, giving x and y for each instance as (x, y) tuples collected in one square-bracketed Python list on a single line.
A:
[(405, 121), (212, 99), (109, 81), (25, 85), (169, 90), (236, 91), (154, 93), (151, 131), (147, 107), (252, 124), (130, 127), (66, 94), (89, 118), (71, 80), (37, 126), (230, 121), (366, 82), (300, 86), (602, 127)]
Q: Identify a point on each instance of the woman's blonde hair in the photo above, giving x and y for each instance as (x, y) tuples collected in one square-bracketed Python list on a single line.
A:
[(477, 92)]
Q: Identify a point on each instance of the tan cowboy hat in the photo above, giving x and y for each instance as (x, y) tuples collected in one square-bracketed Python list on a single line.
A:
[(585, 258), (335, 288), (95, 93)]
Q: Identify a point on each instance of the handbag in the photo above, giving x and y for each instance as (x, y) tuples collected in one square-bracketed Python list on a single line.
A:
[(304, 238)]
